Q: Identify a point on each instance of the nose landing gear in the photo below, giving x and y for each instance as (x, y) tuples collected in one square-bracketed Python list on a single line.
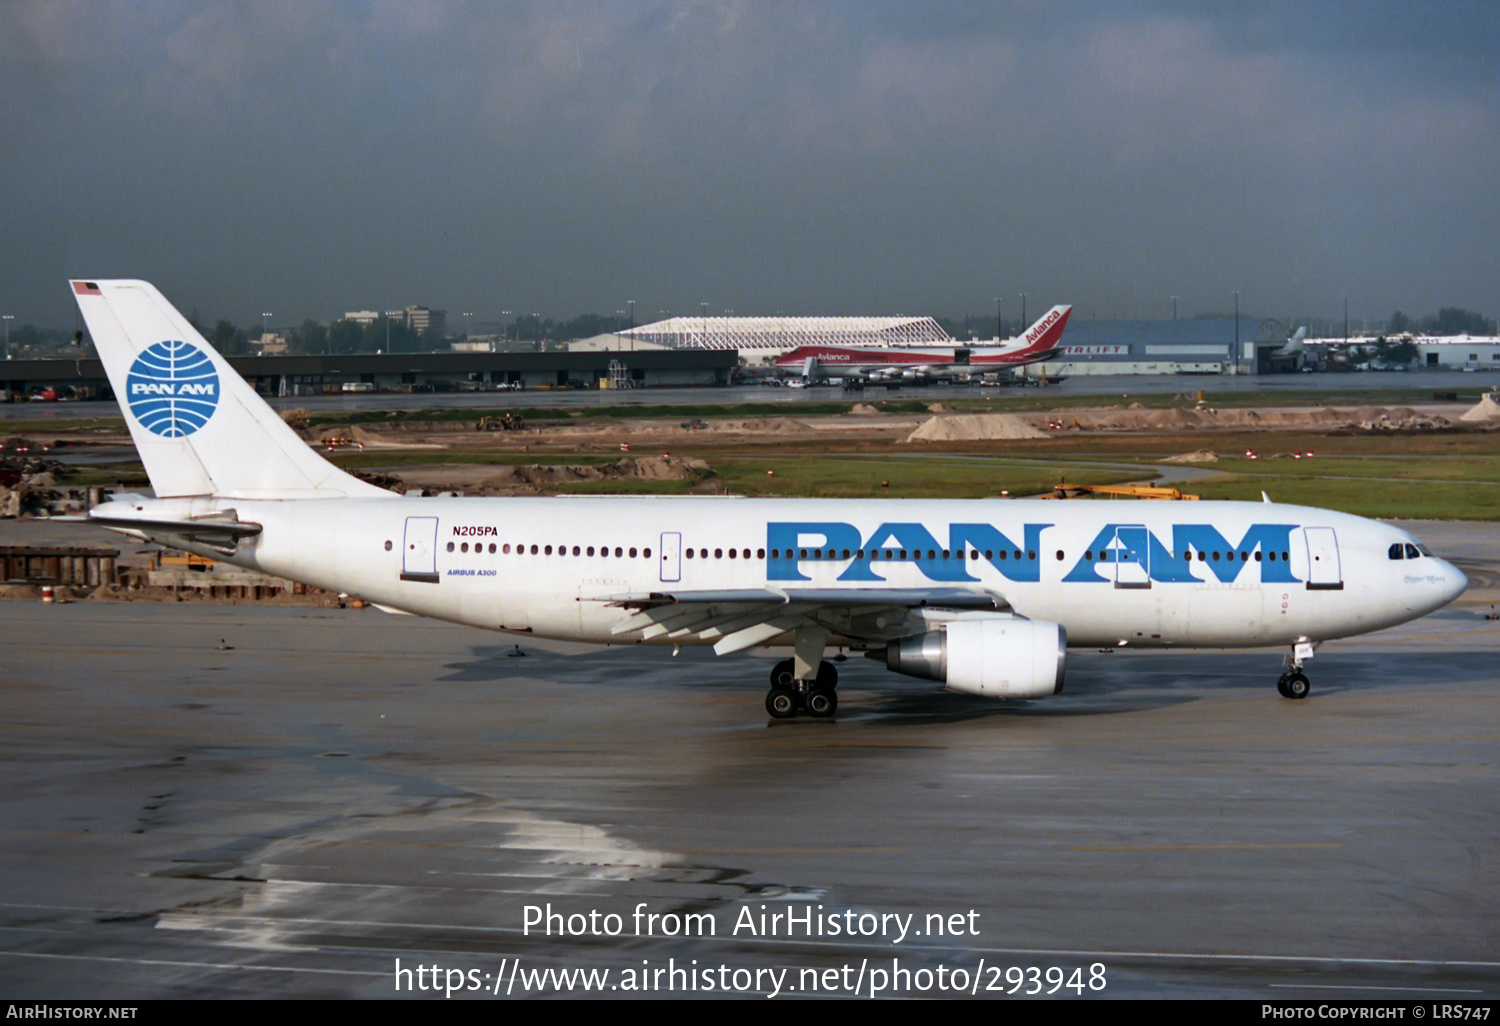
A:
[(1294, 683)]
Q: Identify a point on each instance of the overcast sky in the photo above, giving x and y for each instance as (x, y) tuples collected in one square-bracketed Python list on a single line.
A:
[(855, 157)]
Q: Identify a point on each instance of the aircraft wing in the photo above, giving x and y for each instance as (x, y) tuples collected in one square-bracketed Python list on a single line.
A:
[(742, 619)]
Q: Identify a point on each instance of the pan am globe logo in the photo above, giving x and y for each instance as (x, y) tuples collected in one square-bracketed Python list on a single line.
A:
[(172, 389)]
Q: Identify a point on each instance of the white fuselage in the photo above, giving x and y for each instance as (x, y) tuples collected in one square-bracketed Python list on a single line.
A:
[(1188, 574)]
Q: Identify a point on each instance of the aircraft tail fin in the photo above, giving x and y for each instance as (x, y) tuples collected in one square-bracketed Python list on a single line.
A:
[(199, 427), (1042, 341), (1046, 334)]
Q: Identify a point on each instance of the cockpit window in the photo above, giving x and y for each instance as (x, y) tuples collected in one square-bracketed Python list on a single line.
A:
[(1411, 551), (1397, 551)]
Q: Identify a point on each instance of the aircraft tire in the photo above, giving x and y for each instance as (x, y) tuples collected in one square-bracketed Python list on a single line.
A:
[(782, 674), (781, 703), (1281, 686), (822, 702), (828, 676), (1297, 686)]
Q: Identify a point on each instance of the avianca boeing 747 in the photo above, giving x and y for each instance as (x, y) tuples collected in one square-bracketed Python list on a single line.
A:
[(981, 596), (1041, 341)]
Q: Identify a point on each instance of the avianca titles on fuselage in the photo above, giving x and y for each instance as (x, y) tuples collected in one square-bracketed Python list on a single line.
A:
[(981, 595), (1042, 341)]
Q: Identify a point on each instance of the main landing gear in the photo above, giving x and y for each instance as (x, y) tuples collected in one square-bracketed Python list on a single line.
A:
[(789, 696), (1294, 683)]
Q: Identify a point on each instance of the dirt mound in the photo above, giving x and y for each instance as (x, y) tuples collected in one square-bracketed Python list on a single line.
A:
[(1486, 409), (1177, 418), (974, 426), (531, 477), (759, 426), (1200, 456), (1402, 418), (863, 409)]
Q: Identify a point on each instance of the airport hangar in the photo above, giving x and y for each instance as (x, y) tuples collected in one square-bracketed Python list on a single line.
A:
[(407, 372), (1197, 346)]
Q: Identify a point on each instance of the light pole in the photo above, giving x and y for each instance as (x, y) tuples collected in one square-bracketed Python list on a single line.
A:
[(999, 322), (7, 318), (1174, 309), (1236, 333), (388, 315), (1023, 311)]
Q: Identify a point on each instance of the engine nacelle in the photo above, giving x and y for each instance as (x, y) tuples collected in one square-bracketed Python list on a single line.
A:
[(996, 658)]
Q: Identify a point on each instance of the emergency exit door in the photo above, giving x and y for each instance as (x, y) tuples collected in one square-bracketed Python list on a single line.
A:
[(671, 557)]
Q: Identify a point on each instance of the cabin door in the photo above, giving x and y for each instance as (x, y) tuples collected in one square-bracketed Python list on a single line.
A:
[(1323, 570), (419, 550)]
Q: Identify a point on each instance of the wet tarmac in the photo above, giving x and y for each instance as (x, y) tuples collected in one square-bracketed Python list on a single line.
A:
[(232, 801)]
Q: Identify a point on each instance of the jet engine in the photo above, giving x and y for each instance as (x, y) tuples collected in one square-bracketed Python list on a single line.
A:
[(996, 658)]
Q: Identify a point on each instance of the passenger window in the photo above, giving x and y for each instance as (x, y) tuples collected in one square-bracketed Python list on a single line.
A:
[(450, 546), (547, 550), (689, 553)]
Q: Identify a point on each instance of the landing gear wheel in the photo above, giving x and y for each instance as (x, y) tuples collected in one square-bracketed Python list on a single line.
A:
[(822, 702), (1297, 686), (781, 703), (1281, 686), (828, 676), (782, 674)]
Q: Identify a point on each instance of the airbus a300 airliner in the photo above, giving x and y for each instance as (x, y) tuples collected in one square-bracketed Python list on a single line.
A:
[(983, 596)]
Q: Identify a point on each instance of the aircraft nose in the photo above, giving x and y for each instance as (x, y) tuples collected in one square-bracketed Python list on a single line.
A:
[(1454, 583)]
